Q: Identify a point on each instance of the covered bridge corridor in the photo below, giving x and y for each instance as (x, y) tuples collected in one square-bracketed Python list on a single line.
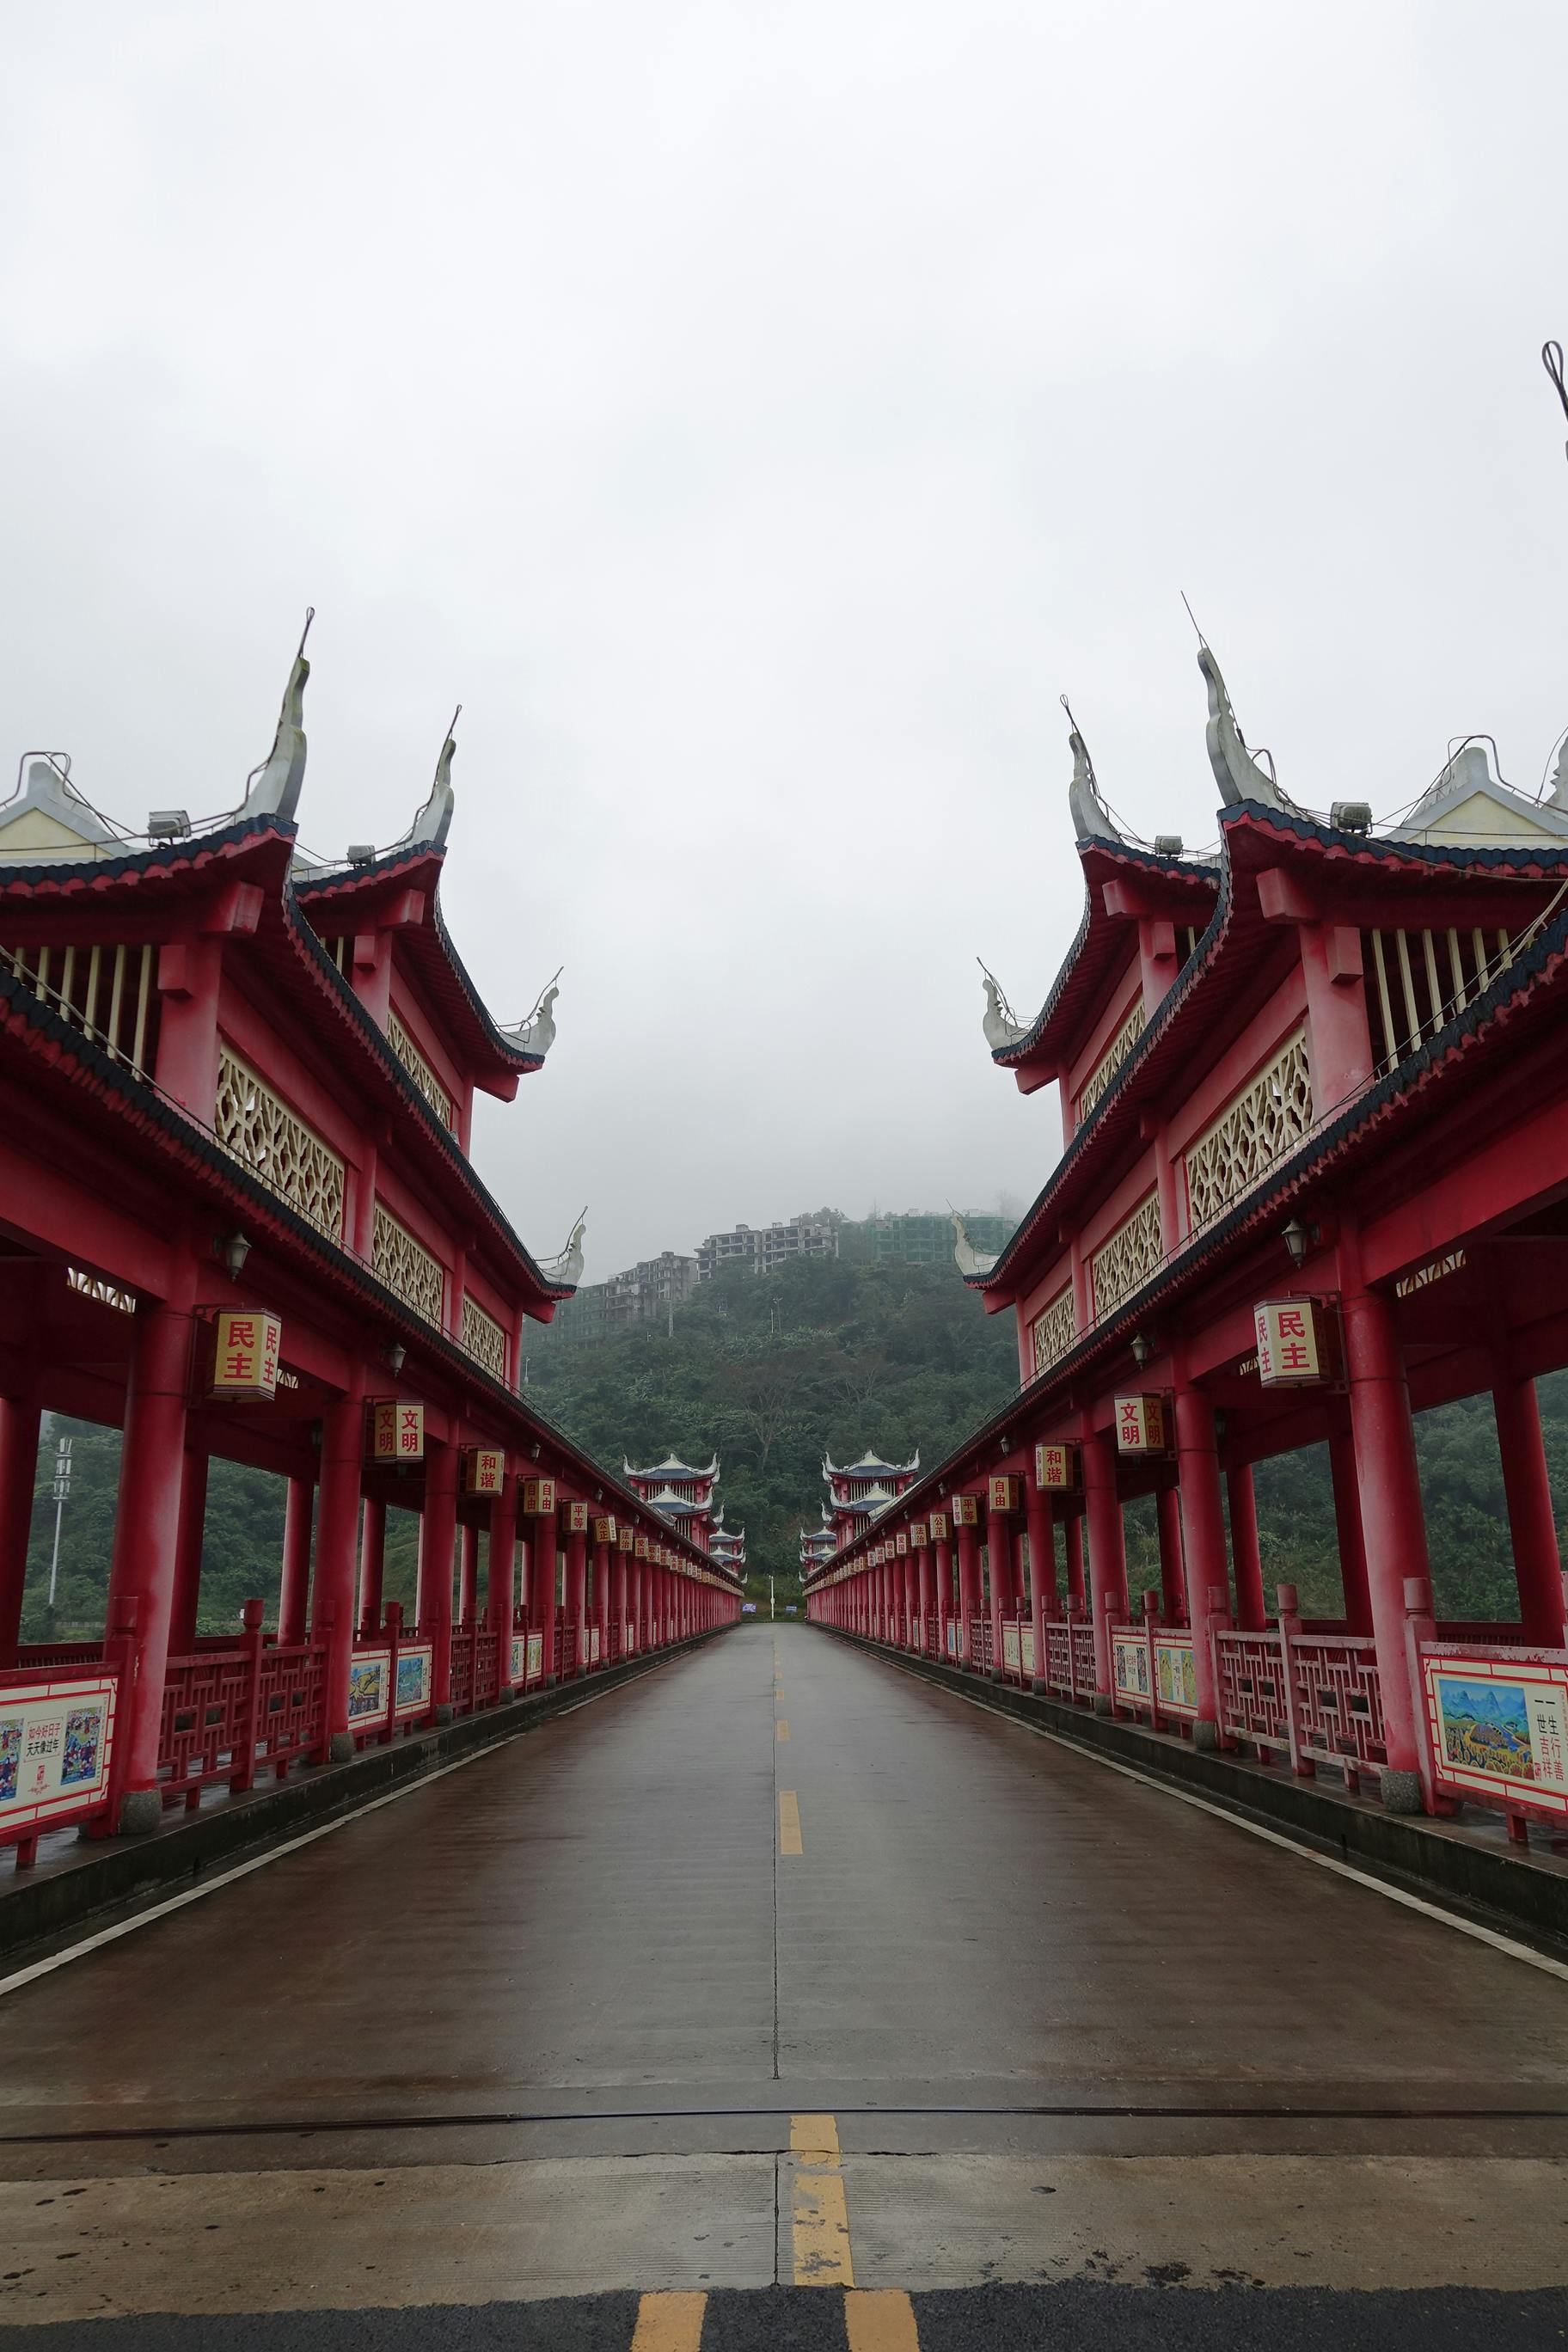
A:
[(779, 1964)]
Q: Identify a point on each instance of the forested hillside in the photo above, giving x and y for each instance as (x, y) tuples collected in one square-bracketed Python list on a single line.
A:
[(771, 1373)]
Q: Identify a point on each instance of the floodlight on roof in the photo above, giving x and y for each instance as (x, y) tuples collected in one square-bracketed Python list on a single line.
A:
[(169, 824)]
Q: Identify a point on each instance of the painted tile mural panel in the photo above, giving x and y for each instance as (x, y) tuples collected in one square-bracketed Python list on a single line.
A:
[(1176, 1675), (415, 1669), (1129, 1668), (55, 1742), (369, 1677), (1499, 1727)]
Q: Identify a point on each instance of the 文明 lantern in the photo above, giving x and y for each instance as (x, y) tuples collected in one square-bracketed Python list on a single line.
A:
[(245, 1363), (396, 1430), (1141, 1425)]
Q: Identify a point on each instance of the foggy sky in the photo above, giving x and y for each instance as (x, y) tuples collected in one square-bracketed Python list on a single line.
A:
[(756, 415)]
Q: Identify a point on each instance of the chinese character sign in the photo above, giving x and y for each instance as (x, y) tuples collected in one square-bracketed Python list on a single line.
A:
[(918, 1536), (901, 1544), (396, 1431), (1003, 1495), (1056, 1468), (1289, 1355), (245, 1363), (1141, 1425), (603, 1531), (939, 1527), (623, 1539), (484, 1469), (966, 1510), (642, 1547)]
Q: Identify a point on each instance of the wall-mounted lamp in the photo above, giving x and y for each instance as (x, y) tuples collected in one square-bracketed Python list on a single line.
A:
[(1298, 1239), (534, 1451), (394, 1356), (1141, 1349), (232, 1249)]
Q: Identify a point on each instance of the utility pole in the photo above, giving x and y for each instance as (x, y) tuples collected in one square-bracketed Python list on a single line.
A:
[(770, 1596), (62, 1488)]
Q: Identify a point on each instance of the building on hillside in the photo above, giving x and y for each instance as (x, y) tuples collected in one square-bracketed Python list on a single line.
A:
[(727, 1545), (646, 1293), (916, 1237), (762, 1249), (858, 1491), (1314, 1106), (680, 1493)]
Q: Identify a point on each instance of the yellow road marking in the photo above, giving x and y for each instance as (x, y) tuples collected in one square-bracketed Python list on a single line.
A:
[(820, 2217), (880, 2320), (669, 2323), (783, 1728), (789, 1822)]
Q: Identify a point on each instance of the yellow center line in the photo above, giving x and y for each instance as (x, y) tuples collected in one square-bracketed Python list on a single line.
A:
[(669, 2323), (880, 2320), (820, 2217), (789, 1822), (783, 1728)]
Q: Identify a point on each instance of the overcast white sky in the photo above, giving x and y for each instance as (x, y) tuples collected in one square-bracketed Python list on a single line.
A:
[(756, 415)]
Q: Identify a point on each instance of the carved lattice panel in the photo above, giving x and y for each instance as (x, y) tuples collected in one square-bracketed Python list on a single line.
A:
[(1055, 1329), (264, 1135), (418, 1069), (1264, 1122), (397, 1259), (1130, 1255), (1098, 1084), (483, 1338)]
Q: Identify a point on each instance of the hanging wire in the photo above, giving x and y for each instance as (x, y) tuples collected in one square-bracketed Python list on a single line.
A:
[(1552, 360)]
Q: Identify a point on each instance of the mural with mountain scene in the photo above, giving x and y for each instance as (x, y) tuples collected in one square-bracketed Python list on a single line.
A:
[(1485, 1728)]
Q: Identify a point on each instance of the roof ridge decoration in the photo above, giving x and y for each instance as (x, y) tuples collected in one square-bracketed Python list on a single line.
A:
[(565, 1272), (1002, 1026), (50, 793), (969, 1259), (434, 820), (1236, 770), (273, 789), (1092, 821), (537, 1033)]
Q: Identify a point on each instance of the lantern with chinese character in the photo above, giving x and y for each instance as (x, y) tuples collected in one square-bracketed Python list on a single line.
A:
[(643, 1547), (1003, 1494), (577, 1518), (539, 1498), (1056, 1468), (484, 1469), (396, 1431), (1291, 1350), (901, 1544), (603, 1531), (918, 1536), (245, 1362), (939, 1527), (966, 1510), (623, 1539), (1141, 1425)]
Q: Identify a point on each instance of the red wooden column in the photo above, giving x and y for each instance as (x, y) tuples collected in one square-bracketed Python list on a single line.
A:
[(467, 1575), (942, 1577), (188, 1555), (1042, 1572), (1072, 1544), (1536, 1566), (1003, 1586), (1107, 1547), (337, 1544), (141, 1561), (437, 1534), (1394, 1528), (1347, 1522), (19, 1421), (296, 1583), (372, 1564), (619, 1582), (1172, 1571), (925, 1591), (1203, 1550), (543, 1571), (576, 1604), (500, 1574), (968, 1589), (602, 1599), (1251, 1607)]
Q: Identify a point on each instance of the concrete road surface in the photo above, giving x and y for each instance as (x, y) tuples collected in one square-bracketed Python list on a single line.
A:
[(779, 1997)]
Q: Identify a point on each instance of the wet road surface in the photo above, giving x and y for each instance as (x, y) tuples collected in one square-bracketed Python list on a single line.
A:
[(779, 1968)]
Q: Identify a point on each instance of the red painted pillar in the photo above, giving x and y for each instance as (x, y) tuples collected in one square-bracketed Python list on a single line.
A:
[(19, 1423), (602, 1599), (437, 1534), (295, 1582), (141, 1562), (942, 1582), (1251, 1607), (1172, 1572), (968, 1591), (1107, 1548), (1347, 1522), (543, 1575), (1203, 1550), (188, 1555), (575, 1606), (500, 1567), (1004, 1590), (1042, 1573), (1537, 1565), (372, 1564), (337, 1543), (467, 1575), (619, 1610), (1393, 1529), (1072, 1544), (925, 1596)]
